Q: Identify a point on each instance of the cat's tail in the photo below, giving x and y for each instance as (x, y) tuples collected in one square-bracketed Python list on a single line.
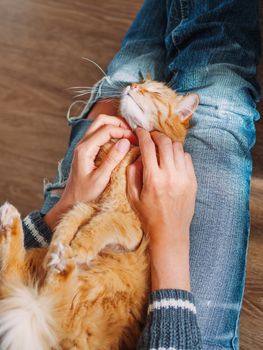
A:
[(26, 321)]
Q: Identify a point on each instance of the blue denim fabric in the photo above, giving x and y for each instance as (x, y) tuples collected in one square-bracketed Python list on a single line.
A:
[(211, 47)]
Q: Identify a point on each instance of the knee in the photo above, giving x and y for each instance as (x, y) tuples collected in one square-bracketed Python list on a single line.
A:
[(220, 128), (221, 86), (227, 112)]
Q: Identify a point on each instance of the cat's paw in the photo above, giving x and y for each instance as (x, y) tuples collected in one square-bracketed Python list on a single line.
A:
[(84, 257), (8, 214), (61, 258)]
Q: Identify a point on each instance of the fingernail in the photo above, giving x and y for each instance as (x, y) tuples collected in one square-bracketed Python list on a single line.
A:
[(123, 145)]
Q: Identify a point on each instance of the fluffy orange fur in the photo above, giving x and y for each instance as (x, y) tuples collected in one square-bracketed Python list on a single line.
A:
[(89, 288)]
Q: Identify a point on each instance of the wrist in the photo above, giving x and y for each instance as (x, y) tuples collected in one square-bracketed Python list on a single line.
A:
[(174, 252), (54, 215), (170, 270), (168, 236), (170, 265)]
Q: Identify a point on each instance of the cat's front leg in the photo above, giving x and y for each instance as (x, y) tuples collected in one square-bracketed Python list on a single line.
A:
[(60, 268), (61, 280), (60, 286), (71, 221), (12, 251), (114, 229), (61, 274)]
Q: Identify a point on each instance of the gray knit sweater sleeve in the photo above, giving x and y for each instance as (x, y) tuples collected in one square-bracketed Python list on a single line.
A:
[(36, 231), (171, 322)]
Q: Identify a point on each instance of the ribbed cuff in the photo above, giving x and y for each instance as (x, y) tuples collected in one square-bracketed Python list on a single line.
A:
[(36, 231), (172, 322), (177, 294)]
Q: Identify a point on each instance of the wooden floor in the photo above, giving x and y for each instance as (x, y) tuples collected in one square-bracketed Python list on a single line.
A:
[(41, 47)]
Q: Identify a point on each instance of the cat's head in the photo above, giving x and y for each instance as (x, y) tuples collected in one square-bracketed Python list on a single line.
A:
[(154, 106)]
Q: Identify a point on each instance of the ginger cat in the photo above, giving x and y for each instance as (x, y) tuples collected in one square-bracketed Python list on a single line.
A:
[(89, 288)]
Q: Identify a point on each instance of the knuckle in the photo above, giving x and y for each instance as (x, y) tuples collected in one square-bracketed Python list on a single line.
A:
[(161, 139), (165, 141)]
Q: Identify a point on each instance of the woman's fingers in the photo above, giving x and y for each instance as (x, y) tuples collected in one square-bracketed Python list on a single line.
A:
[(102, 136), (179, 157), (165, 149), (148, 151), (86, 151), (113, 158), (104, 119), (135, 181)]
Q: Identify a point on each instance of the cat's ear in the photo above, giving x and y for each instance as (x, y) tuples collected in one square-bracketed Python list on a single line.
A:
[(187, 106)]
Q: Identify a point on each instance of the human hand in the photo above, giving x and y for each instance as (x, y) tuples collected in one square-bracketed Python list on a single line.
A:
[(161, 187), (86, 181)]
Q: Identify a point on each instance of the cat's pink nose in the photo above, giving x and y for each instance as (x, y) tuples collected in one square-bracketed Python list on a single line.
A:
[(135, 87)]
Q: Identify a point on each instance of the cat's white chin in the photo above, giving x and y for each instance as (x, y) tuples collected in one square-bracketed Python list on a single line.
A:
[(133, 114)]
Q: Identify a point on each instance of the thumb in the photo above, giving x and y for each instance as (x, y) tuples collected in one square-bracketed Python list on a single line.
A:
[(115, 155)]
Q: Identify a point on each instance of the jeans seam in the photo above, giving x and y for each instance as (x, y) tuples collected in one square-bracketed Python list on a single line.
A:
[(211, 343), (184, 10), (236, 335)]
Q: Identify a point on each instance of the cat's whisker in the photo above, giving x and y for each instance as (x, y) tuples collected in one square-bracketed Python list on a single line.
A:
[(79, 87), (116, 91), (110, 91), (98, 66), (80, 95), (83, 93), (84, 90)]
